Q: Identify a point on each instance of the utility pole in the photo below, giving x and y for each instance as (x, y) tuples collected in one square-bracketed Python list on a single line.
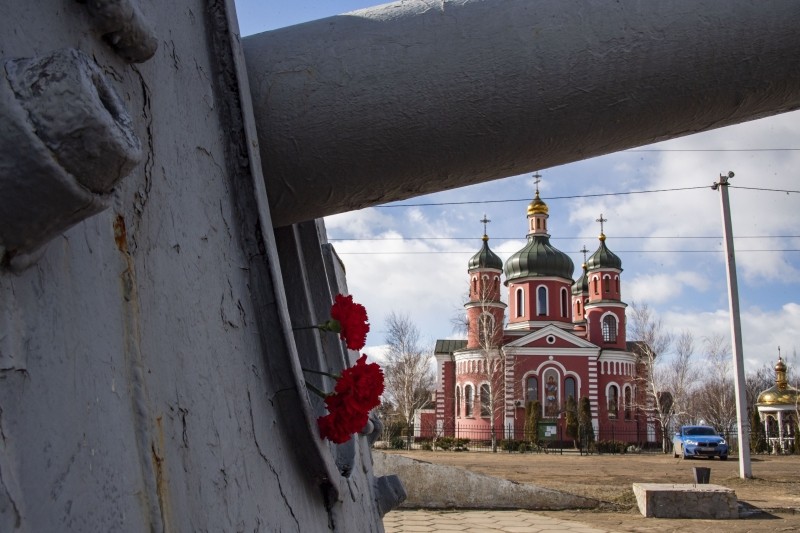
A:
[(742, 421)]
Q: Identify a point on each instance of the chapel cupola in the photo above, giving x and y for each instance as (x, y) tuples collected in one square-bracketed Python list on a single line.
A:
[(539, 275), (538, 257), (603, 269), (604, 313), (485, 311)]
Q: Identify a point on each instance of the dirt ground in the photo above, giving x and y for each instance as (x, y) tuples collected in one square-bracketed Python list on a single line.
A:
[(771, 499)]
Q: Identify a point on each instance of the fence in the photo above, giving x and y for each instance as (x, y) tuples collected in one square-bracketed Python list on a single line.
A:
[(550, 438)]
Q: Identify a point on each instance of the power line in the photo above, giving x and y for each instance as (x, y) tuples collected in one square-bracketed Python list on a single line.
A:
[(576, 196), (615, 237), (713, 150), (619, 251)]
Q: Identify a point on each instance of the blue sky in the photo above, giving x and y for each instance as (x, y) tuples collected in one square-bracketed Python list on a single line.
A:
[(413, 259)]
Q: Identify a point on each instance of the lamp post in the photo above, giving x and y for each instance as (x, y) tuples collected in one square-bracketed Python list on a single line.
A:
[(742, 424)]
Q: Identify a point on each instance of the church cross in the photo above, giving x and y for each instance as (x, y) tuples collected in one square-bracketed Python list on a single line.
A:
[(485, 221), (584, 251), (601, 220), (537, 178)]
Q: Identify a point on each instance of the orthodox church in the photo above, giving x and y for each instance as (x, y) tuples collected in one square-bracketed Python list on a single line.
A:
[(562, 338)]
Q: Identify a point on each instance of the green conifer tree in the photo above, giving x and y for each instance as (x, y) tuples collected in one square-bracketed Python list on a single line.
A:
[(585, 423), (572, 419), (533, 415), (758, 443)]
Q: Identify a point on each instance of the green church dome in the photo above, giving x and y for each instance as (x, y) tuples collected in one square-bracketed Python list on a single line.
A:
[(603, 257), (581, 286), (539, 258), (485, 258)]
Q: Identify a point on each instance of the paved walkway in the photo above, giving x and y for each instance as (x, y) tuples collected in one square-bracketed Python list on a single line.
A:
[(408, 521)]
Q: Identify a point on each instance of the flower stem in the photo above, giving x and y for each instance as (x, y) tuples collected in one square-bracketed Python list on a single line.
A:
[(321, 373), (315, 390)]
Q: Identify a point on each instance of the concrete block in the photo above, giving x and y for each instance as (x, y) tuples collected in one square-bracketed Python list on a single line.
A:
[(667, 500), (432, 486)]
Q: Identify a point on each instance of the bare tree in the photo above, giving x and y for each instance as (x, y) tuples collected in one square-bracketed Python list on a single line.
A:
[(652, 342), (717, 398), (493, 364), (459, 322), (757, 381), (409, 375), (681, 377)]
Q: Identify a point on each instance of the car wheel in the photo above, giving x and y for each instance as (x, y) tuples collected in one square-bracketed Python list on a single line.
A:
[(723, 457)]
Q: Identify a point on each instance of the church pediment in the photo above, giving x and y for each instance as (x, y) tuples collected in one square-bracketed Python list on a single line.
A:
[(550, 336)]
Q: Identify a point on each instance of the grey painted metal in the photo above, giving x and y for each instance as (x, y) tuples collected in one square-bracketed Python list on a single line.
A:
[(149, 376), (124, 28), (742, 417), (417, 96), (66, 140)]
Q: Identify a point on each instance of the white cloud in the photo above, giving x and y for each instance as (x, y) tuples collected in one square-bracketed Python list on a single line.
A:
[(762, 331), (665, 287)]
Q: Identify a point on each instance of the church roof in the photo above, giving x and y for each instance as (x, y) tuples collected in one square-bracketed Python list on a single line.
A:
[(485, 258), (449, 345), (539, 258), (603, 257), (781, 394), (581, 286)]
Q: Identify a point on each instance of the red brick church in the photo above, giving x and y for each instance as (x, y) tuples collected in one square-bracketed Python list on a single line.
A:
[(561, 338)]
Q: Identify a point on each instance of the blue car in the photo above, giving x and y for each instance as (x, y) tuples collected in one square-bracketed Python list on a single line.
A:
[(699, 441)]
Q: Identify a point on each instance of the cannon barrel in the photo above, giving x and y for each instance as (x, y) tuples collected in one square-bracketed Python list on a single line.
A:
[(415, 97)]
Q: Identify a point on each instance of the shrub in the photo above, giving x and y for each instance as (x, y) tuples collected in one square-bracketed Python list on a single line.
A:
[(612, 446), (460, 445), (445, 443), (397, 443)]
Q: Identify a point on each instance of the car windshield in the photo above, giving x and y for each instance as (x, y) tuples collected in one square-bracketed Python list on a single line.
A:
[(700, 431)]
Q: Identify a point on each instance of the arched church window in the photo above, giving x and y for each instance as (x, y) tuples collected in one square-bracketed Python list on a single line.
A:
[(628, 401), (520, 300), (458, 401), (609, 328), (541, 301), (531, 389), (569, 388), (613, 401), (564, 303), (551, 393), (596, 285), (607, 284), (468, 400), (485, 398), (474, 285), (616, 281)]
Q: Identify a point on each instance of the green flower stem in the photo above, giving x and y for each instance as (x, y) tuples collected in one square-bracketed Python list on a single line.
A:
[(321, 373), (315, 390)]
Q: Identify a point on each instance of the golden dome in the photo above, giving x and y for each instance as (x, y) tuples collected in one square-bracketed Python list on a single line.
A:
[(537, 206), (777, 396), (782, 393)]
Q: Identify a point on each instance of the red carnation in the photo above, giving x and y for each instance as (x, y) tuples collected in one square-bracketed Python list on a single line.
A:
[(349, 320), (362, 383), (357, 391)]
